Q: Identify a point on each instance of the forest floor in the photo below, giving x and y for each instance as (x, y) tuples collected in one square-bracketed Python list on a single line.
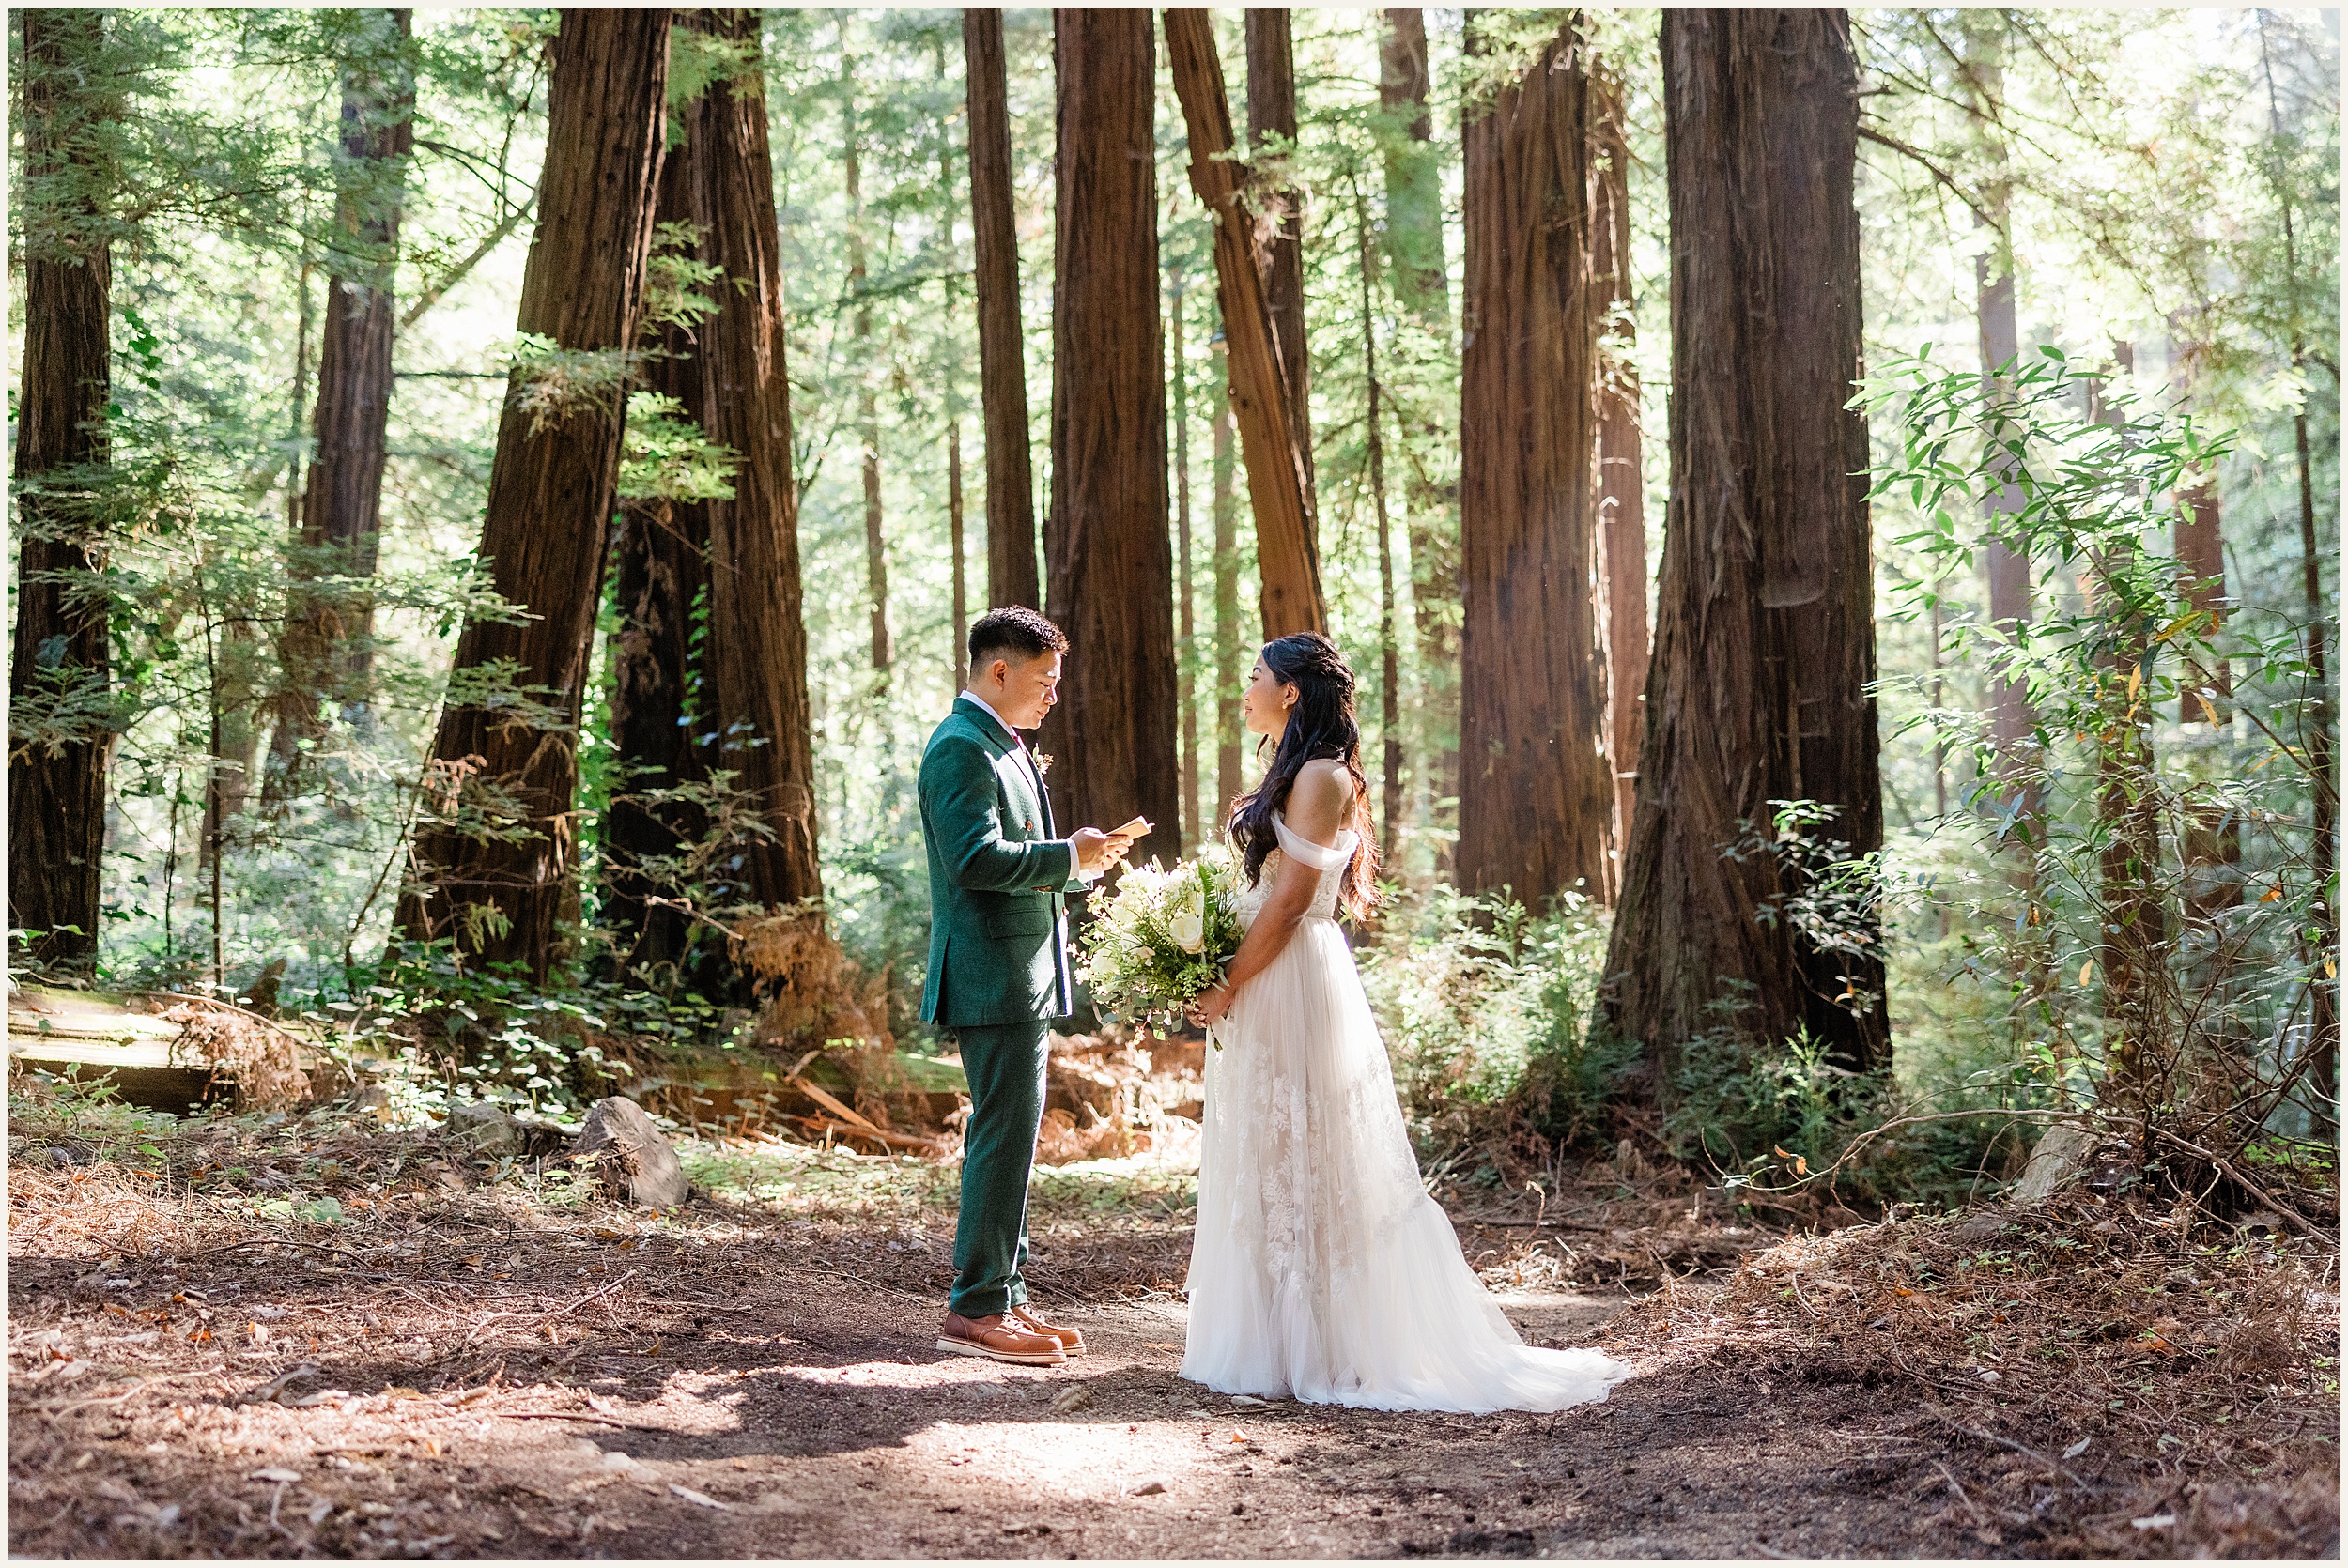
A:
[(262, 1337)]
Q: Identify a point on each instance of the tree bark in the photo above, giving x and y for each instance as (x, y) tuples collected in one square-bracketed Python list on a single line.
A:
[(1535, 794), (1414, 173), (1291, 574), (1271, 113), (757, 632), (1621, 485), (1227, 643), (1187, 626), (962, 580), (1011, 575), (660, 565), (549, 502), (1765, 633), (2010, 719), (1110, 574), (868, 403), (57, 796), (2213, 837), (2135, 916), (1389, 653), (328, 649)]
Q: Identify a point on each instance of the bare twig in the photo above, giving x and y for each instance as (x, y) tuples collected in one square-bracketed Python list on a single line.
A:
[(2289, 1215)]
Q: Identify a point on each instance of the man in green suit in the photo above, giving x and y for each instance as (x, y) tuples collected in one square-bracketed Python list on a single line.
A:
[(998, 963)]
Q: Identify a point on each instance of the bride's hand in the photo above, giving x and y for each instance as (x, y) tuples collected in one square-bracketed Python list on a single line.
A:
[(1210, 1006)]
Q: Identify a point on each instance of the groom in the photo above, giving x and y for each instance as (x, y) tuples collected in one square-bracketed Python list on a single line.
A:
[(998, 963)]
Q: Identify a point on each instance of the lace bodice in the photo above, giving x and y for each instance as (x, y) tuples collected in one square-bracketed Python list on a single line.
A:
[(1333, 860)]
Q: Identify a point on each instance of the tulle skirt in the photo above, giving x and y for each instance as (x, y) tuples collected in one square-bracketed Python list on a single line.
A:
[(1322, 1270)]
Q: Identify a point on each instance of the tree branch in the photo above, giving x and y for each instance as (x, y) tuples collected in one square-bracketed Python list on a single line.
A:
[(1937, 173)]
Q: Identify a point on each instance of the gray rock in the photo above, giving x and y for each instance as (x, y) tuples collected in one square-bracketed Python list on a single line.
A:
[(631, 1155), (2060, 1158), (483, 1129)]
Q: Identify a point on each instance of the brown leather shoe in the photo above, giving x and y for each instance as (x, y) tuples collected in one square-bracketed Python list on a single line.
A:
[(999, 1338), (1071, 1341)]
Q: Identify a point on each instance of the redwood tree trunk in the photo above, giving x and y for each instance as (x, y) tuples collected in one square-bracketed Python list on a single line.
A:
[(1765, 635), (2212, 837), (660, 561), (1186, 629), (328, 647), (1271, 113), (1111, 574), (868, 403), (1289, 573), (1226, 642), (58, 797), (1389, 651), (1535, 794), (2011, 720), (1413, 171), (550, 500), (1622, 490), (1010, 577), (757, 636), (2135, 911)]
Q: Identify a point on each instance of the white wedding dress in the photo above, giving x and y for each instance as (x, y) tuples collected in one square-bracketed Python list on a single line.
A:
[(1321, 1269)]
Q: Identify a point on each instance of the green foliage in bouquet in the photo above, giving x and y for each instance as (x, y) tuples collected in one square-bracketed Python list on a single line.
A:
[(1166, 938)]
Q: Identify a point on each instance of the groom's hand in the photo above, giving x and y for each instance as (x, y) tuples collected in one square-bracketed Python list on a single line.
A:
[(1094, 849)]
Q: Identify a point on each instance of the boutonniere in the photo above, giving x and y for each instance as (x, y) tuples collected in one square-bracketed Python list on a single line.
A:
[(1042, 762)]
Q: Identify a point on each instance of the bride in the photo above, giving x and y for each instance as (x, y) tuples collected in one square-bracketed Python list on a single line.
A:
[(1321, 1269)]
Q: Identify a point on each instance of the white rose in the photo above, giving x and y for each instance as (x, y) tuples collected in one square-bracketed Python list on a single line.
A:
[(1188, 930)]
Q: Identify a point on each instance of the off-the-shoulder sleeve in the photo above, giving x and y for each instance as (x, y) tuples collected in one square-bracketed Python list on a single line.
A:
[(1321, 857)]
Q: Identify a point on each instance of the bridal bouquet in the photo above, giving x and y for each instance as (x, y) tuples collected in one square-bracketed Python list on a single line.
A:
[(1165, 939)]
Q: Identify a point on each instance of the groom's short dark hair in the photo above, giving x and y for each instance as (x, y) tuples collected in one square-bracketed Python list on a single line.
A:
[(1017, 632)]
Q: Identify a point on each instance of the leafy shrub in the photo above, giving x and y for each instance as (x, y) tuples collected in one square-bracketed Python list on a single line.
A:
[(1485, 1007)]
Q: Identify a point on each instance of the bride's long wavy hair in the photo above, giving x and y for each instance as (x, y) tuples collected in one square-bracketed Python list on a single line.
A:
[(1321, 725)]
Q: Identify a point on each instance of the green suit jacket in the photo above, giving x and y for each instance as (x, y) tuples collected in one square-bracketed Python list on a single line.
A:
[(998, 952)]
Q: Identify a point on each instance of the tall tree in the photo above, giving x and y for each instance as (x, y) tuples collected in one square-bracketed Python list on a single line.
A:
[(328, 647), (952, 400), (1227, 634), (544, 530), (1413, 174), (2135, 914), (1765, 633), (757, 630), (1413, 170), (1389, 650), (1186, 629), (2213, 836), (1535, 794), (1011, 576), (1111, 574), (61, 664), (2011, 720), (1289, 569), (867, 396), (1621, 485), (1272, 124), (660, 570), (2317, 732)]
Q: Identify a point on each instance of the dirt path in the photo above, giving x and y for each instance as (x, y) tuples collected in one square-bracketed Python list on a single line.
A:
[(814, 1422), (455, 1370)]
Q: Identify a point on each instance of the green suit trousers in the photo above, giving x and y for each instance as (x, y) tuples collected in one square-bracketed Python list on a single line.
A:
[(1005, 1064)]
